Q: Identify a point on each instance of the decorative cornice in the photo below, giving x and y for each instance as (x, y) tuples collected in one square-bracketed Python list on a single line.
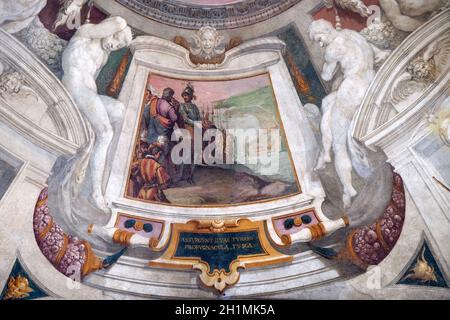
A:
[(268, 44), (189, 16), (399, 96), (71, 126)]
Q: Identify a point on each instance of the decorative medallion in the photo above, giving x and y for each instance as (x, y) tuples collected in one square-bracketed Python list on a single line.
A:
[(220, 16), (218, 248)]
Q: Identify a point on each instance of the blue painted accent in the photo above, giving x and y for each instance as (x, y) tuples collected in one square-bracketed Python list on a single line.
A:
[(148, 227), (218, 249), (432, 263), (16, 271), (288, 223), (306, 219), (110, 260), (327, 253), (129, 223)]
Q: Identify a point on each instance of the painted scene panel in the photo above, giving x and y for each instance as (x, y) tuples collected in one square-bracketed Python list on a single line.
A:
[(208, 143)]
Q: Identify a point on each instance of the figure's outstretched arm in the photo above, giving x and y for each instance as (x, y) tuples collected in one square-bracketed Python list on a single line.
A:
[(392, 10), (104, 29)]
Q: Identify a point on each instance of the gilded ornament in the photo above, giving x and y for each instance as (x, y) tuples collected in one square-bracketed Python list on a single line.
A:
[(18, 288)]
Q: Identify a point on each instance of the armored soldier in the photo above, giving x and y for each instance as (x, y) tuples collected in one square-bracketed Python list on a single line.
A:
[(190, 113)]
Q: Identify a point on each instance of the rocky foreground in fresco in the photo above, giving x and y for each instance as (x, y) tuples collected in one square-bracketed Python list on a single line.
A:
[(227, 187)]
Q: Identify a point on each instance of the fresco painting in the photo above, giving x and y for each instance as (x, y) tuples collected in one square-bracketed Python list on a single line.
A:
[(248, 104)]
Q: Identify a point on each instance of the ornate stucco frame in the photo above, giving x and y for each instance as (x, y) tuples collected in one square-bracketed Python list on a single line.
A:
[(283, 135), (151, 54)]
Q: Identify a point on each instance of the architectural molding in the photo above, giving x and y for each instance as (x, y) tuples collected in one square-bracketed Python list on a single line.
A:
[(382, 118), (72, 131), (189, 16), (399, 127)]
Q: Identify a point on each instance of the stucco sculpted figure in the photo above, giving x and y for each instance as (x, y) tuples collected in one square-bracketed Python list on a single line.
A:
[(11, 82), (69, 14), (21, 19), (84, 57), (354, 5), (408, 15), (208, 43), (349, 50), (16, 15)]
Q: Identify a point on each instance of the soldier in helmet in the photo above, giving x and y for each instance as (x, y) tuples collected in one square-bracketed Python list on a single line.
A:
[(190, 114)]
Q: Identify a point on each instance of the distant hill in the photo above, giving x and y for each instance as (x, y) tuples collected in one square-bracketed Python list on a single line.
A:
[(259, 103), (262, 97)]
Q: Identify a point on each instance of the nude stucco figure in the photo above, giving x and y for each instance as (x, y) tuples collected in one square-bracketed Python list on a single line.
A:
[(84, 57), (408, 15), (351, 52)]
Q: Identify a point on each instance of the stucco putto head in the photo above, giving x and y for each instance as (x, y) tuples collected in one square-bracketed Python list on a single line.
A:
[(208, 43)]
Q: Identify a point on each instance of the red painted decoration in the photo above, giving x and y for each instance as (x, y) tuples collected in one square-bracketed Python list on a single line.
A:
[(49, 13), (349, 19)]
